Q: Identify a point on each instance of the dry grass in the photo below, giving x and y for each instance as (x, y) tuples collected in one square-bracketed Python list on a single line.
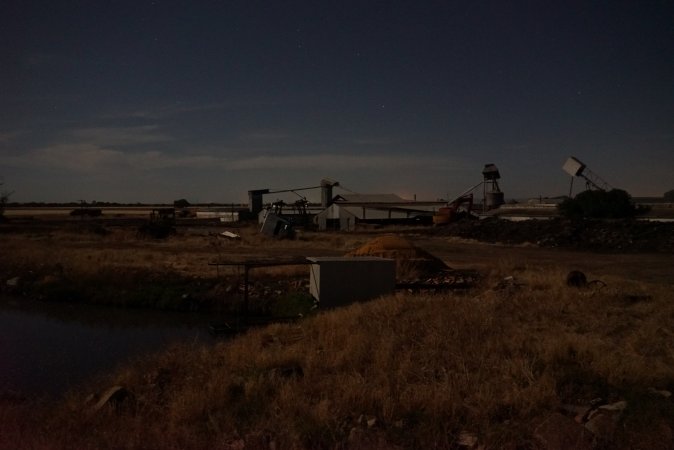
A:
[(79, 251), (420, 369), (425, 368)]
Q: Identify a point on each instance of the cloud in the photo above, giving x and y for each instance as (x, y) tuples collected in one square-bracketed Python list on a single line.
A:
[(72, 157), (373, 141), (265, 136), (109, 150), (118, 136), (339, 161), (9, 136), (93, 158), (170, 110)]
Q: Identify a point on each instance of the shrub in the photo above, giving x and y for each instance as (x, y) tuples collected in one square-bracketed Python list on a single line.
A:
[(182, 203), (614, 204), (4, 198)]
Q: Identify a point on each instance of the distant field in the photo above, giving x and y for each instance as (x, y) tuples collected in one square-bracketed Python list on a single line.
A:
[(53, 211)]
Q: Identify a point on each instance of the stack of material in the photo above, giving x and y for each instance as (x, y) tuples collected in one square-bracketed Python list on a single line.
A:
[(411, 261)]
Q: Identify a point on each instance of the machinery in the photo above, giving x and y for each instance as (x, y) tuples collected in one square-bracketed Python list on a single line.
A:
[(492, 197), (576, 168), (281, 224), (255, 196), (450, 212)]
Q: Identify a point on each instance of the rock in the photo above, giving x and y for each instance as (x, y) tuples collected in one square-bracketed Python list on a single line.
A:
[(13, 282), (596, 401), (661, 393), (371, 422), (113, 396), (617, 406), (467, 439), (576, 278), (603, 426), (579, 412), (559, 432), (602, 422), (355, 435)]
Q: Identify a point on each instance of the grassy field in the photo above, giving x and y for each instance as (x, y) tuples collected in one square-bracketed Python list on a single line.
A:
[(486, 368)]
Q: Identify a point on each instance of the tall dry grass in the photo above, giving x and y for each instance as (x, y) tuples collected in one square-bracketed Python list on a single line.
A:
[(80, 251), (406, 371)]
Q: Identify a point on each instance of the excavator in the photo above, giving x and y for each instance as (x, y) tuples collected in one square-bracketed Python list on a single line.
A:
[(450, 212)]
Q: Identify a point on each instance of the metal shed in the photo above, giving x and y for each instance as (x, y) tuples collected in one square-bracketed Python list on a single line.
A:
[(338, 281)]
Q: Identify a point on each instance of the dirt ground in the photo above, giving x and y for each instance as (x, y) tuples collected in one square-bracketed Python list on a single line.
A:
[(458, 253), (46, 249), (496, 363)]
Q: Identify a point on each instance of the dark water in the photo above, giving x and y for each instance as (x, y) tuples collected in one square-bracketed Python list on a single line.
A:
[(49, 348)]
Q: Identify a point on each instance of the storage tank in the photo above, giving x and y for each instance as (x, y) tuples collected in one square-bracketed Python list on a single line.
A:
[(495, 199)]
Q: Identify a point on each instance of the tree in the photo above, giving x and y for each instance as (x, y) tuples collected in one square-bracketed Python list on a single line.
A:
[(4, 198), (182, 203), (613, 204), (669, 196)]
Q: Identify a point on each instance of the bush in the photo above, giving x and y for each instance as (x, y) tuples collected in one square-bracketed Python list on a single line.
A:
[(293, 304), (182, 203), (4, 198), (669, 196), (613, 204)]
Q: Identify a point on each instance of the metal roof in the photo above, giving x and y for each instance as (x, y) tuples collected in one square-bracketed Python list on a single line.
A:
[(369, 198)]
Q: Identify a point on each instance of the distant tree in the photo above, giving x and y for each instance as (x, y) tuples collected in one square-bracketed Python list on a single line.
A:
[(182, 203), (669, 196), (612, 204), (4, 198)]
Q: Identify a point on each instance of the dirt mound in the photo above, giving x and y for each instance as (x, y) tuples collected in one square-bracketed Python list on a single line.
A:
[(410, 260)]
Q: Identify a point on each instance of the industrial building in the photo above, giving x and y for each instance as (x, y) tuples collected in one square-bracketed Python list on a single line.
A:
[(344, 211), (349, 209)]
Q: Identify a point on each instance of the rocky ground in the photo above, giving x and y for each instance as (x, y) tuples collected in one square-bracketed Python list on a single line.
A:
[(623, 236)]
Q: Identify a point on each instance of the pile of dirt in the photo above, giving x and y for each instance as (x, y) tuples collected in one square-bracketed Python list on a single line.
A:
[(596, 235), (410, 260)]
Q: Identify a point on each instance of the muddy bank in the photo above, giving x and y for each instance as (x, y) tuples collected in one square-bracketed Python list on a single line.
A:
[(122, 288), (138, 288)]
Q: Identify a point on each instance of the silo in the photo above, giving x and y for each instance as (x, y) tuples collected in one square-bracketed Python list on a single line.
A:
[(326, 191), (494, 199)]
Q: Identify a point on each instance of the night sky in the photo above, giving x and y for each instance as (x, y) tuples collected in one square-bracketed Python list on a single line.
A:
[(154, 101)]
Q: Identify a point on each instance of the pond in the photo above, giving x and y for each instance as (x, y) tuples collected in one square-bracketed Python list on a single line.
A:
[(45, 349)]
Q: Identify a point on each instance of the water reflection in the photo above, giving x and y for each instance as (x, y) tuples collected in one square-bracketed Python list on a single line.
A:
[(47, 348)]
